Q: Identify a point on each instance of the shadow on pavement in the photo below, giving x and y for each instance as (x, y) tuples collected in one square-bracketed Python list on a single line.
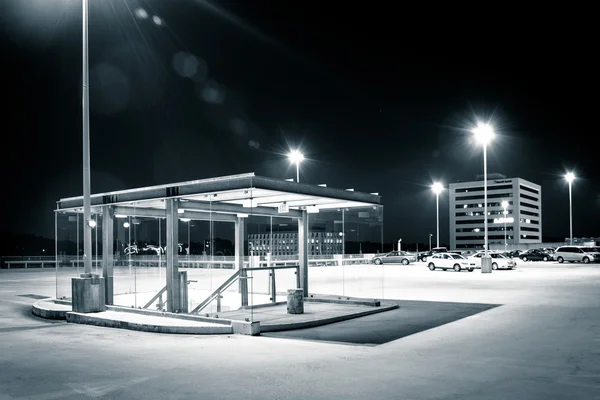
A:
[(412, 317)]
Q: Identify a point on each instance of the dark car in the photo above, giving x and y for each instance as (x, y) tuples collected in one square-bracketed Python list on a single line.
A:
[(535, 255), (423, 256), (514, 253)]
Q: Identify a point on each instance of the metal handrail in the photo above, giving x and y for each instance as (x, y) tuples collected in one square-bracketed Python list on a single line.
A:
[(217, 292), (156, 296)]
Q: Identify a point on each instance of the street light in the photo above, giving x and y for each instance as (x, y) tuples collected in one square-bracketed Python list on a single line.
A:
[(505, 213), (85, 102), (570, 177), (430, 235), (437, 188), (484, 133), (399, 244), (296, 157)]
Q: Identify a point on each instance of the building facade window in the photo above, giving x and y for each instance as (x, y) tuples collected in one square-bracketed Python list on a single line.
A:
[(522, 223)]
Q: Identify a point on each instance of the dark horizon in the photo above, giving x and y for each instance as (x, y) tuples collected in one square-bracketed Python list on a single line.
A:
[(205, 90)]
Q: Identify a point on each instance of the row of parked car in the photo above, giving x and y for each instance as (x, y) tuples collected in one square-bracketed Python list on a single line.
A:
[(440, 257), (584, 254)]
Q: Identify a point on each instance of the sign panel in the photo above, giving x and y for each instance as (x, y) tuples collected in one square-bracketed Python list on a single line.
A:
[(283, 208)]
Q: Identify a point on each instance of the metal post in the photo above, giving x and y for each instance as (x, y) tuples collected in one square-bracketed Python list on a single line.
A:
[(486, 260), (437, 204), (273, 288), (56, 250), (485, 218), (87, 230), (430, 241), (570, 215), (343, 234), (298, 171), (505, 242)]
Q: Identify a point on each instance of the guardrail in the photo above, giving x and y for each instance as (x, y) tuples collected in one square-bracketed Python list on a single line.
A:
[(220, 262)]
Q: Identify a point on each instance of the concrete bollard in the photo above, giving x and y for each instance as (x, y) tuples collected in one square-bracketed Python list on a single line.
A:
[(87, 293), (295, 301), (486, 265)]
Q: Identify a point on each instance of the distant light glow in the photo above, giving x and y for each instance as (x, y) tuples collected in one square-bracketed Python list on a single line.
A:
[(141, 13), (508, 220), (484, 133), (296, 157), (437, 187), (185, 219), (570, 177), (91, 223), (125, 225), (505, 204)]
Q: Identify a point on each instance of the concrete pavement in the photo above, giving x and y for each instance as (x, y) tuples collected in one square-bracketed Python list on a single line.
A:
[(543, 342)]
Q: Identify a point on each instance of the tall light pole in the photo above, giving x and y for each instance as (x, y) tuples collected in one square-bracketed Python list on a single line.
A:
[(570, 177), (484, 133), (505, 213), (430, 235), (87, 229), (296, 157), (437, 188)]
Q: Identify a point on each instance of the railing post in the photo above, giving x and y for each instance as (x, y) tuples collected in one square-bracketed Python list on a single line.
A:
[(244, 286), (219, 297), (273, 286), (160, 303)]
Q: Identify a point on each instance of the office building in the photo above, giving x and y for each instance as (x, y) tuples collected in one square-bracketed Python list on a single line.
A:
[(523, 221), (286, 243)]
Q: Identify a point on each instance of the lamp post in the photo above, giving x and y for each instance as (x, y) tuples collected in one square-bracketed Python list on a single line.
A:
[(484, 133), (570, 177), (85, 101), (437, 188), (430, 235), (296, 157), (505, 213)]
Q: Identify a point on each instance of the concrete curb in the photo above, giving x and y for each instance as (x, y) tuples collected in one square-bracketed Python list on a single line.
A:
[(241, 327), (91, 319), (41, 310), (324, 321)]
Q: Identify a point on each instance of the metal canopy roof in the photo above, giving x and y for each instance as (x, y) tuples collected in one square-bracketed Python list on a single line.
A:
[(235, 194)]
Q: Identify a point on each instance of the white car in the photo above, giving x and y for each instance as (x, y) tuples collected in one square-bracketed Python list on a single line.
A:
[(499, 261), (450, 261)]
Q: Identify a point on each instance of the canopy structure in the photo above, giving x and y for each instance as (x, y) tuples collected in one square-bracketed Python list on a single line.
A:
[(222, 199), (227, 196)]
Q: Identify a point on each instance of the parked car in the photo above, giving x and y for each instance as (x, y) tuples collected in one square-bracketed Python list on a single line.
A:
[(499, 260), (583, 254), (395, 257), (535, 255), (423, 256), (515, 253), (450, 261)]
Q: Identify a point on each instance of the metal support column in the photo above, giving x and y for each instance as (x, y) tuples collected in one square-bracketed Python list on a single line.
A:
[(108, 253), (302, 251), (172, 244), (239, 259)]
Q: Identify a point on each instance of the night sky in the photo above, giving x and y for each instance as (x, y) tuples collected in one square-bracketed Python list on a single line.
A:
[(379, 99)]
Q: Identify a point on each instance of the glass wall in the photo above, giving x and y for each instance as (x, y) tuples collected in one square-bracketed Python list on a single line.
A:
[(341, 243), (69, 232)]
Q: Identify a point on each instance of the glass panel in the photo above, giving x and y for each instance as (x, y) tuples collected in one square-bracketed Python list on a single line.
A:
[(211, 261), (126, 253), (325, 247), (68, 236)]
